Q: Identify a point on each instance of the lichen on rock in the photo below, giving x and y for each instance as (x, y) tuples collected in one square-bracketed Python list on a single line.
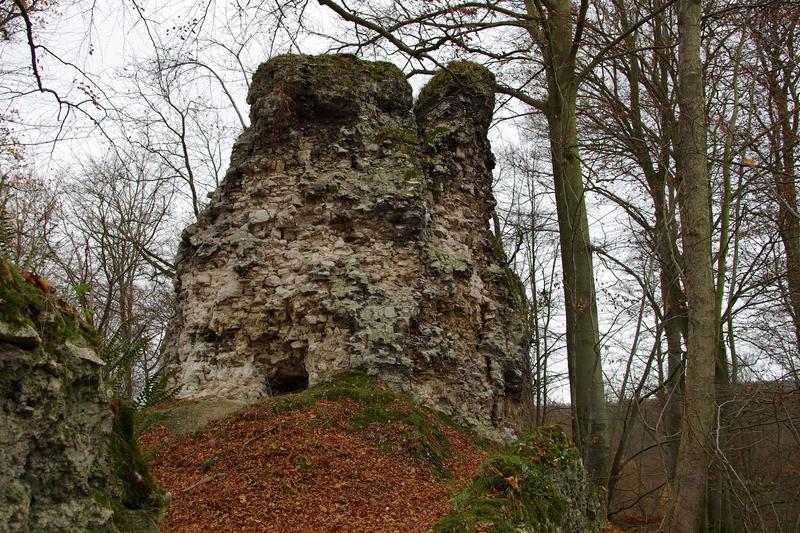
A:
[(351, 233), (57, 427)]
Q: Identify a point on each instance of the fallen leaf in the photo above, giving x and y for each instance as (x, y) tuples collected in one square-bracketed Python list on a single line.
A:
[(513, 482)]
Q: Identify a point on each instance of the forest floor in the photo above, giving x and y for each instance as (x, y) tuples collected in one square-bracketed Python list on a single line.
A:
[(319, 462)]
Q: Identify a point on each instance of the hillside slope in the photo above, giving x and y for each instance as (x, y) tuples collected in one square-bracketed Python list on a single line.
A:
[(348, 455)]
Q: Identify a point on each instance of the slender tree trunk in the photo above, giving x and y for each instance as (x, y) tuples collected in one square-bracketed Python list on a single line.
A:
[(496, 224), (719, 516), (788, 223), (590, 413), (774, 34), (687, 506), (675, 320), (664, 231), (537, 341)]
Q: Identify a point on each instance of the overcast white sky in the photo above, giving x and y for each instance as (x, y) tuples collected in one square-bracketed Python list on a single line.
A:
[(107, 42)]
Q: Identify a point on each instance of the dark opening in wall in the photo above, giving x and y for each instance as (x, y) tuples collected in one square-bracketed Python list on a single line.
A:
[(289, 376)]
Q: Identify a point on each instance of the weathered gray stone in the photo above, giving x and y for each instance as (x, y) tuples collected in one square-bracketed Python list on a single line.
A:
[(61, 446), (368, 249), (55, 421), (21, 335)]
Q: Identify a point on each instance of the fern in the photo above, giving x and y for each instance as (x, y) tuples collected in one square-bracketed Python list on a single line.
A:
[(159, 389), (120, 354)]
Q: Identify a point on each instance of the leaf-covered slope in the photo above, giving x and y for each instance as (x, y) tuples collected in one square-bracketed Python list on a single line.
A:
[(346, 455)]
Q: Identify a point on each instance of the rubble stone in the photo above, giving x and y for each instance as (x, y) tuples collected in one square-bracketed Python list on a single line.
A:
[(350, 232)]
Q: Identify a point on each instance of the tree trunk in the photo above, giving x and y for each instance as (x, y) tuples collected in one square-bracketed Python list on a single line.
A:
[(664, 232), (784, 179), (688, 503), (774, 34), (590, 413)]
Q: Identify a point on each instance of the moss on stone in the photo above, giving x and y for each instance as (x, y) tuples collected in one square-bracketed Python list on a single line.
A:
[(446, 261), (24, 304), (346, 66), (139, 489), (466, 77), (20, 302), (514, 284), (413, 174), (498, 252), (140, 504), (364, 187), (517, 288), (517, 490), (341, 77), (68, 390), (484, 514), (395, 134), (434, 135), (130, 520)]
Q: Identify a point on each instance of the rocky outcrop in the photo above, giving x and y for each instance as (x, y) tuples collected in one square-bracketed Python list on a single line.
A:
[(62, 450), (351, 233)]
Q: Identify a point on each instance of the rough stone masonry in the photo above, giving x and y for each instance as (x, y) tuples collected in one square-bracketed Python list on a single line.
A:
[(351, 233)]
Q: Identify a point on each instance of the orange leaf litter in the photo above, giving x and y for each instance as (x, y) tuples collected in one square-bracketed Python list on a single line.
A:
[(302, 471)]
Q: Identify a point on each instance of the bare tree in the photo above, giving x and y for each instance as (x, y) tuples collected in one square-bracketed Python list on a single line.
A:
[(687, 505), (117, 218)]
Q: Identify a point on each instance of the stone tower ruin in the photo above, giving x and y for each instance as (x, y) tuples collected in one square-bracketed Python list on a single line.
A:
[(351, 233)]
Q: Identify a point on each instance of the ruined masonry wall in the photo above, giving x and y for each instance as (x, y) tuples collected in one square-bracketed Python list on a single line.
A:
[(351, 233)]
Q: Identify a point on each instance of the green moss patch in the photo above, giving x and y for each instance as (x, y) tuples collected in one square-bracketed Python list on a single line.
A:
[(332, 81), (339, 66), (514, 284), (140, 505), (474, 80), (24, 304), (515, 488), (130, 520), (132, 469), (19, 300)]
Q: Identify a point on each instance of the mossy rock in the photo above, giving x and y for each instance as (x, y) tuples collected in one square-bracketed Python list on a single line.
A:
[(139, 489), (139, 505), (472, 84), (538, 484), (70, 461), (447, 261), (328, 86), (22, 303), (515, 286)]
